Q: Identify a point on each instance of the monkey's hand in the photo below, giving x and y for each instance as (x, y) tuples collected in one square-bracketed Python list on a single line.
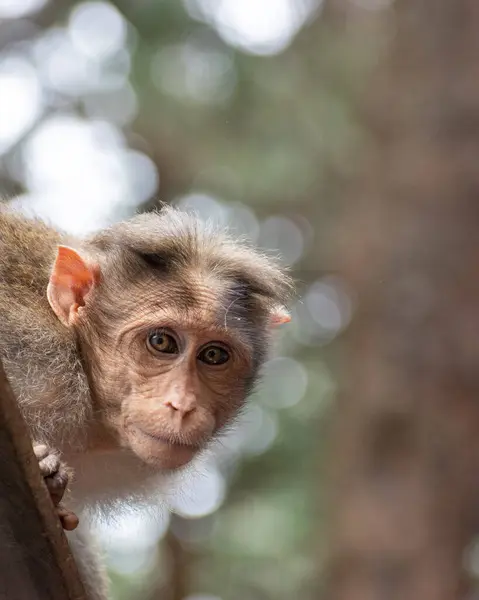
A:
[(56, 476)]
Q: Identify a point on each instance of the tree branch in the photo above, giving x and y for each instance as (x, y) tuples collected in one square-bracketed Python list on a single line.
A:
[(35, 560)]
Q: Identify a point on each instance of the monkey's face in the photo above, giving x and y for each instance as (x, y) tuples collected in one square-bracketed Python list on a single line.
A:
[(179, 383), (173, 320)]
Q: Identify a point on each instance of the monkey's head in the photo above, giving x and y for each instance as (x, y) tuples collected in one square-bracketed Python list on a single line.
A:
[(173, 319)]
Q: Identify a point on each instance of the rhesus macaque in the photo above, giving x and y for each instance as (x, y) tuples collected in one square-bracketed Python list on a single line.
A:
[(129, 351)]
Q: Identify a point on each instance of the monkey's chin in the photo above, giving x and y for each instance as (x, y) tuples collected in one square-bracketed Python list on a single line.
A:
[(159, 452)]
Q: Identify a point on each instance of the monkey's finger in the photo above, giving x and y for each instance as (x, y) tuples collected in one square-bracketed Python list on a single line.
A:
[(50, 464), (56, 485), (68, 519), (41, 451)]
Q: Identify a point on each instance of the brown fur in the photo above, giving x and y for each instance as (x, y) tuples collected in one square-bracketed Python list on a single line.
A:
[(39, 355)]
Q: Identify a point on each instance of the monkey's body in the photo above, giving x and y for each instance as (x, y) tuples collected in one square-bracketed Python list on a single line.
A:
[(39, 355), (41, 360), (130, 350)]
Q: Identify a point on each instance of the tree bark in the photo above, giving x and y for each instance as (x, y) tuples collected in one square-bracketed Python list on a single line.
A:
[(406, 436), (35, 560)]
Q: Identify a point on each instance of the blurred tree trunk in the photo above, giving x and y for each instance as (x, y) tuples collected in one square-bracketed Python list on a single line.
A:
[(406, 438)]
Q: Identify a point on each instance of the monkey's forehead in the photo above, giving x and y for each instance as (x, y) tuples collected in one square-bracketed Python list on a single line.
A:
[(202, 301)]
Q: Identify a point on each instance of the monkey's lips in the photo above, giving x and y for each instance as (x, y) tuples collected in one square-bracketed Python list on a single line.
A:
[(162, 450)]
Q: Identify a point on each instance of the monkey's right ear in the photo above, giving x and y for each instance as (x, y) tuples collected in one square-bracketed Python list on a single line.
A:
[(70, 281)]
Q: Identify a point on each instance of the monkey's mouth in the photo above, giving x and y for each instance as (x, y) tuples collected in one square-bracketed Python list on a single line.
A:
[(165, 450), (171, 440)]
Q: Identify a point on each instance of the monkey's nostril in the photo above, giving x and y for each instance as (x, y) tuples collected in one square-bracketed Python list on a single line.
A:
[(184, 408)]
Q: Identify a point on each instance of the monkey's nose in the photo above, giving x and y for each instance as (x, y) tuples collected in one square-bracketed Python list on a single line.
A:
[(183, 406)]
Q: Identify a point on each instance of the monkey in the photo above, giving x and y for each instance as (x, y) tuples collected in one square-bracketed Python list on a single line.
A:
[(130, 350)]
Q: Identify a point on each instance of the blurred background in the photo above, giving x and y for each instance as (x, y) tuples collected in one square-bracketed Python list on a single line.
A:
[(245, 112)]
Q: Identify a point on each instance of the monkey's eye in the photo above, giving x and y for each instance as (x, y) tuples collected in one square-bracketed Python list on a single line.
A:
[(214, 355), (163, 342)]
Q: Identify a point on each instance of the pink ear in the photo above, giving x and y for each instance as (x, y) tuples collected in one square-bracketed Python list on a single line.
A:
[(70, 281), (279, 316)]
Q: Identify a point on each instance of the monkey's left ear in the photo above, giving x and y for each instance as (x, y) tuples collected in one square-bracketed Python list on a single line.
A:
[(70, 281), (279, 316)]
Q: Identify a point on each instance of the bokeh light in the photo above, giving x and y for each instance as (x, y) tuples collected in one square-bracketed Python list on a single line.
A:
[(81, 174), (97, 29), (243, 222), (263, 28), (197, 70), (203, 495), (280, 234), (66, 69), (13, 9), (323, 312), (283, 383), (255, 431), (204, 206), (21, 99)]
